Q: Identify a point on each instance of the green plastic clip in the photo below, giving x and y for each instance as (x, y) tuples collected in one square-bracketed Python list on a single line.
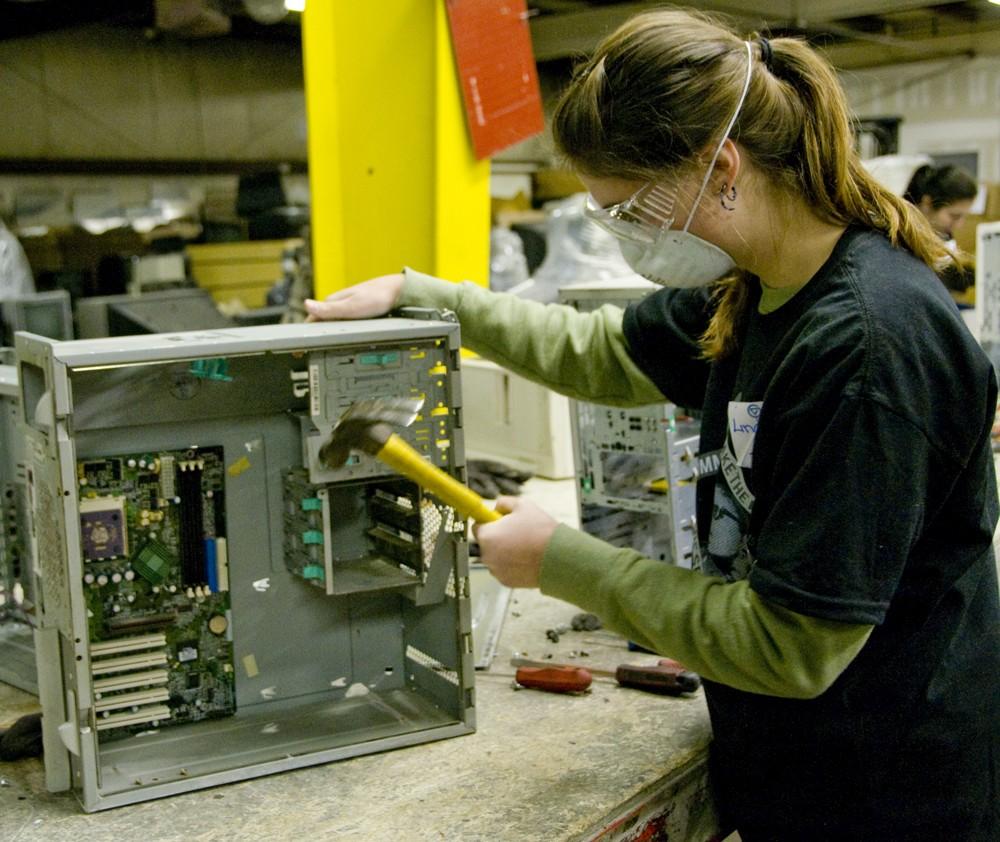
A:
[(312, 536), (212, 369), (383, 358), (312, 504), (313, 571)]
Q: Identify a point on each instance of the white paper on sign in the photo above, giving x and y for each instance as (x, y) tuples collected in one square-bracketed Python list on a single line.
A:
[(743, 420)]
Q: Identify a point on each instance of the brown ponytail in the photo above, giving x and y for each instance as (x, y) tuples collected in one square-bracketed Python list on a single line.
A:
[(662, 87)]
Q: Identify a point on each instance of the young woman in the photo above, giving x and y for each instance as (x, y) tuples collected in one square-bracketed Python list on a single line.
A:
[(846, 614), (943, 195)]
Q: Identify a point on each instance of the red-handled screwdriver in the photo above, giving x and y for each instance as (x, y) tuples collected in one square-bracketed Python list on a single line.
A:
[(665, 676), (554, 679)]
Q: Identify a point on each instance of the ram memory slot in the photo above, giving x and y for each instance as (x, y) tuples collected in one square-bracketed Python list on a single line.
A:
[(192, 526)]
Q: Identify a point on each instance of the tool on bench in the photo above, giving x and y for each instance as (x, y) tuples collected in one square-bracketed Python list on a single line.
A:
[(665, 676), (365, 426), (554, 679)]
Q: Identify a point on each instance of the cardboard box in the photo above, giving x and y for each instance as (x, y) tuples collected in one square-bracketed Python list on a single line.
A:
[(515, 421), (966, 235), (241, 271)]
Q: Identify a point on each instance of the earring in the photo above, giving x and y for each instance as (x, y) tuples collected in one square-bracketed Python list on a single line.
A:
[(727, 194)]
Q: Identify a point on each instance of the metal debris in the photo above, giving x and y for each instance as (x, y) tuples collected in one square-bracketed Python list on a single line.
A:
[(586, 622)]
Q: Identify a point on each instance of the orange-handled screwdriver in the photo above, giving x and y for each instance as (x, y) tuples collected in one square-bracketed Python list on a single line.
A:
[(665, 676), (554, 679)]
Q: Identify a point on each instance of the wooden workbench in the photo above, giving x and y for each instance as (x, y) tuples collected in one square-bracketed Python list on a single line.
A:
[(614, 764)]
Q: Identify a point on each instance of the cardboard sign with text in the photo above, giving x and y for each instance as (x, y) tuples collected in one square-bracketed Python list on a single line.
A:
[(503, 104)]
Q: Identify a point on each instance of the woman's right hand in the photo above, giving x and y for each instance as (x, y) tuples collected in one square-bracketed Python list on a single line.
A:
[(366, 300)]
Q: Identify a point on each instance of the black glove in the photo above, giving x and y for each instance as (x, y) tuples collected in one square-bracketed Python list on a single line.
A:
[(491, 479), (22, 739)]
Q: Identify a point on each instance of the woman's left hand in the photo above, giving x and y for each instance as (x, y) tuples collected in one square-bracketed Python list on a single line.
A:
[(512, 547)]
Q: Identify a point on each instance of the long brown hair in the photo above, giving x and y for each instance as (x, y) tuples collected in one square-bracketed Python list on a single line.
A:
[(661, 89)]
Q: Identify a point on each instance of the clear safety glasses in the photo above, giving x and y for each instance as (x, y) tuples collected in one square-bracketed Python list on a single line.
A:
[(641, 217)]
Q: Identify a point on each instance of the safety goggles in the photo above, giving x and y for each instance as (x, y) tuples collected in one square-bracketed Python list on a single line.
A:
[(641, 218)]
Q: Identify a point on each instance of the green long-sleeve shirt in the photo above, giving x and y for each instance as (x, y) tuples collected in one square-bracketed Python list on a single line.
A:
[(723, 630)]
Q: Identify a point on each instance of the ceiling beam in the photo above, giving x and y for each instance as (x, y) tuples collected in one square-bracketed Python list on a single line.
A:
[(820, 11), (856, 55), (577, 33)]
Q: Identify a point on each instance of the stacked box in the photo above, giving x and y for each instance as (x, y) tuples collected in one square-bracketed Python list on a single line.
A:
[(244, 271)]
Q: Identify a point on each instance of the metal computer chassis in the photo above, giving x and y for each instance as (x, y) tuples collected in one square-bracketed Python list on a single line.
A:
[(214, 603)]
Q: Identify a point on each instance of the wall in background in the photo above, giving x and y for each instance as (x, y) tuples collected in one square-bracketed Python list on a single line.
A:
[(104, 92), (60, 200), (947, 107)]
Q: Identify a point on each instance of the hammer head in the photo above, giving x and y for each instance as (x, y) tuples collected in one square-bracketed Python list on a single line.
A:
[(366, 425)]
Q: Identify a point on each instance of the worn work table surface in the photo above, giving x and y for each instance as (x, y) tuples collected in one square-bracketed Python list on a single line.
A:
[(540, 766)]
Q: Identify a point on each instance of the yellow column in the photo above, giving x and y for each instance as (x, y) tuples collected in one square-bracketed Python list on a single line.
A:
[(393, 178)]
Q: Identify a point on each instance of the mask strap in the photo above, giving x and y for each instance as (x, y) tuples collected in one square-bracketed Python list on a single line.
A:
[(725, 137)]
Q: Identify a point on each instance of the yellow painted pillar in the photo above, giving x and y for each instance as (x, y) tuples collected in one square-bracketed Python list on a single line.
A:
[(392, 174)]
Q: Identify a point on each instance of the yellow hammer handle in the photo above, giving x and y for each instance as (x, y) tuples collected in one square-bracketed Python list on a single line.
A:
[(397, 454)]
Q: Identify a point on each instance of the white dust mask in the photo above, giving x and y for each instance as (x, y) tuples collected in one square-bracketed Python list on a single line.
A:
[(677, 259)]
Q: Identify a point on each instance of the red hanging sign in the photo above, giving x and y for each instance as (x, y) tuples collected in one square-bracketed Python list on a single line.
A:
[(503, 104)]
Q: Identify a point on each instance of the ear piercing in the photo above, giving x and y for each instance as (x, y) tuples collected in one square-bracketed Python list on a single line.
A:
[(727, 197)]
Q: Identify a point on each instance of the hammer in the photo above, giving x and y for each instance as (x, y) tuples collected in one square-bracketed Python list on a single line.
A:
[(365, 426)]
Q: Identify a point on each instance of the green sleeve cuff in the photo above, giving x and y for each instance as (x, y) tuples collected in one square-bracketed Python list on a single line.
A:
[(722, 630), (572, 563), (581, 355), (420, 290)]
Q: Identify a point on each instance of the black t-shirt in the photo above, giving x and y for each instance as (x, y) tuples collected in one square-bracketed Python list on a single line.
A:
[(857, 485)]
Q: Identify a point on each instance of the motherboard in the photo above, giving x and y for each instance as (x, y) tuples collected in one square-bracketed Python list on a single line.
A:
[(153, 535)]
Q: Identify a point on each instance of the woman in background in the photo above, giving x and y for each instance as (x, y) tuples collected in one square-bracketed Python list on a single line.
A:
[(944, 196)]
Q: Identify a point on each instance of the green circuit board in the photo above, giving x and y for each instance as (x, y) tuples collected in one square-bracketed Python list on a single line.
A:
[(153, 540)]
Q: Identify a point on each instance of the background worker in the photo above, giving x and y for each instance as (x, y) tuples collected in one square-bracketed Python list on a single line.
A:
[(15, 271), (944, 195), (848, 627)]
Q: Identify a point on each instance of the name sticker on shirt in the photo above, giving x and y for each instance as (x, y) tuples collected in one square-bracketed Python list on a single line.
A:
[(743, 421)]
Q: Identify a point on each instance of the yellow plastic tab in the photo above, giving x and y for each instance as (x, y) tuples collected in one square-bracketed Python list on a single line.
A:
[(238, 467)]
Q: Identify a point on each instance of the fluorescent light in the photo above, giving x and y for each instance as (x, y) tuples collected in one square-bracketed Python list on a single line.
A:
[(300, 5)]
